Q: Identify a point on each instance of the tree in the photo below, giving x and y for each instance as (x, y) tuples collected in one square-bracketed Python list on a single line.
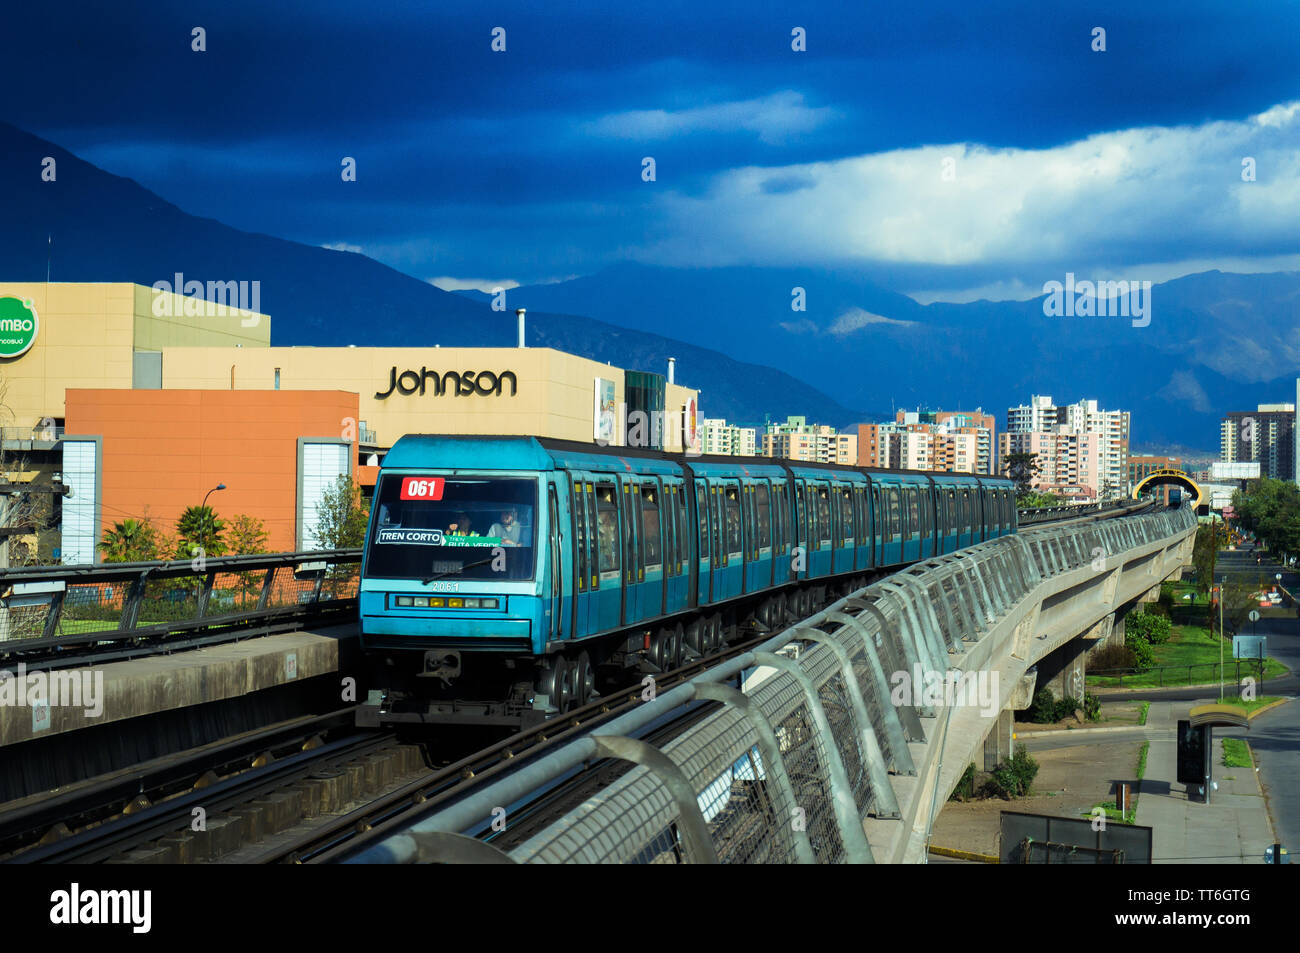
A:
[(1205, 552), (1033, 499), (342, 516), (1021, 469), (200, 527), (131, 541), (246, 535), (1270, 509)]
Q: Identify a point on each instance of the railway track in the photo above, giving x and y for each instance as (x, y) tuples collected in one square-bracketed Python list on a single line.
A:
[(109, 817), (371, 822)]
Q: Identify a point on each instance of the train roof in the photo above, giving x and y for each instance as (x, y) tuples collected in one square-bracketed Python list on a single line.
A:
[(517, 452)]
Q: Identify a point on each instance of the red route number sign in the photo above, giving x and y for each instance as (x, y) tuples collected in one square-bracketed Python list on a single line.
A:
[(422, 488)]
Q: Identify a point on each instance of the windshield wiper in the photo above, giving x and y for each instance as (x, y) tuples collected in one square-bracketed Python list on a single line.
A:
[(481, 562)]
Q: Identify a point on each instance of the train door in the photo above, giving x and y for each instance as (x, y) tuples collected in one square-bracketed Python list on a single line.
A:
[(703, 545), (676, 553), (633, 570), (555, 610), (602, 513), (731, 538), (822, 529), (650, 530), (764, 526), (716, 533), (585, 578), (877, 527), (802, 535)]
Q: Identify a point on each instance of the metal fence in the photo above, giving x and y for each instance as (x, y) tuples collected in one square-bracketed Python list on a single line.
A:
[(128, 599), (786, 769)]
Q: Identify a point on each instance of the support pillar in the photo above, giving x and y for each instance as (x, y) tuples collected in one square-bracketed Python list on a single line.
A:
[(997, 746)]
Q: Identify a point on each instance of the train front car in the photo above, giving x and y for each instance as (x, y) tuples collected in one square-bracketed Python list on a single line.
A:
[(452, 604)]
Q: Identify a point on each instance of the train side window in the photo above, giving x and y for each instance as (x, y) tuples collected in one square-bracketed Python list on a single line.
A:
[(668, 511), (846, 515), (629, 533), (607, 528), (732, 505), (823, 536), (651, 538), (719, 551), (764, 507), (750, 522), (876, 512), (702, 513), (580, 535), (895, 529), (683, 532), (914, 512), (778, 524)]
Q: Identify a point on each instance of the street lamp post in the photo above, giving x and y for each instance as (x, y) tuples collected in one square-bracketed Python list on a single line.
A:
[(203, 531)]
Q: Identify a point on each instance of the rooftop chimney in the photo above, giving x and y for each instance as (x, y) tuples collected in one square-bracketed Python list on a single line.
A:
[(520, 312), (672, 366)]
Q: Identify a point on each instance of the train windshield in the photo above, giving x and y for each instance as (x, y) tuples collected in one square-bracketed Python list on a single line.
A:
[(455, 528)]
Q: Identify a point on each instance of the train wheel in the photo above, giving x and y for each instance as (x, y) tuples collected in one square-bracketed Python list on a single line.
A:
[(716, 637), (583, 679), (555, 681), (666, 648), (697, 637)]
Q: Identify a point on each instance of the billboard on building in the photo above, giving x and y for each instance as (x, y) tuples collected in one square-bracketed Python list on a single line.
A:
[(606, 412)]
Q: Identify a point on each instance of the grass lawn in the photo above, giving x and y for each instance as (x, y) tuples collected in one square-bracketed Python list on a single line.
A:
[(1190, 645), (1236, 754), (1112, 812), (1251, 705)]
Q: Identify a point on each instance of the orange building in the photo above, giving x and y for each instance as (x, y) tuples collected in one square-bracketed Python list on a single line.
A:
[(157, 452)]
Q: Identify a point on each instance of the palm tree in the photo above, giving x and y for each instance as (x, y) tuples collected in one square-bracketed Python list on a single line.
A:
[(199, 526), (130, 541)]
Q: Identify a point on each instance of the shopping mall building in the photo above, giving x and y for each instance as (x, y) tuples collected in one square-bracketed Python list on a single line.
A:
[(139, 402)]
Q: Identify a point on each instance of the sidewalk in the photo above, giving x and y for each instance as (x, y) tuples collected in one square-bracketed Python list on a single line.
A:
[(1232, 829)]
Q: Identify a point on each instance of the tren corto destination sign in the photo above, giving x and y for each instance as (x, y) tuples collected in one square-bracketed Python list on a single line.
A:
[(18, 324)]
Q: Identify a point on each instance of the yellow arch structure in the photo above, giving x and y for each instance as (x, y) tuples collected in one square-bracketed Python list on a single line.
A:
[(1176, 477)]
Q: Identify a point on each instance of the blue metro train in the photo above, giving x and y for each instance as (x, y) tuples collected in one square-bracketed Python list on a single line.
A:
[(502, 574)]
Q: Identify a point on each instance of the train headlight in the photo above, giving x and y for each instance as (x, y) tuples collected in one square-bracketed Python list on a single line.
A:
[(422, 601), (437, 602), (471, 603), (402, 601), (487, 603), (454, 603)]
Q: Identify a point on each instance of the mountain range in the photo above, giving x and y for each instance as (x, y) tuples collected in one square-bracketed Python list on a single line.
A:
[(756, 341), (89, 225)]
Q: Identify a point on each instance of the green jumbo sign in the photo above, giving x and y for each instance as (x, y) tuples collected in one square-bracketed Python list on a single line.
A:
[(18, 325)]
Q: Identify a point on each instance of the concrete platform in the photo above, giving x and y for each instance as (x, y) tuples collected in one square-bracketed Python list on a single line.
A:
[(129, 689)]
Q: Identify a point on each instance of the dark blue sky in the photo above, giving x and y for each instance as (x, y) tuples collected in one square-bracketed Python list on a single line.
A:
[(526, 165)]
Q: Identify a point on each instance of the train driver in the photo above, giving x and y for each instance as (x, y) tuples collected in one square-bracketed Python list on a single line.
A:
[(508, 529)]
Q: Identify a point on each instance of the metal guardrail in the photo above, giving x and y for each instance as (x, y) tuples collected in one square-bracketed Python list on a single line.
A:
[(786, 769), (51, 606), (1049, 514)]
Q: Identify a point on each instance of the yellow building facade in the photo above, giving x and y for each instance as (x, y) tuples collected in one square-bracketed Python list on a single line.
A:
[(119, 335)]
